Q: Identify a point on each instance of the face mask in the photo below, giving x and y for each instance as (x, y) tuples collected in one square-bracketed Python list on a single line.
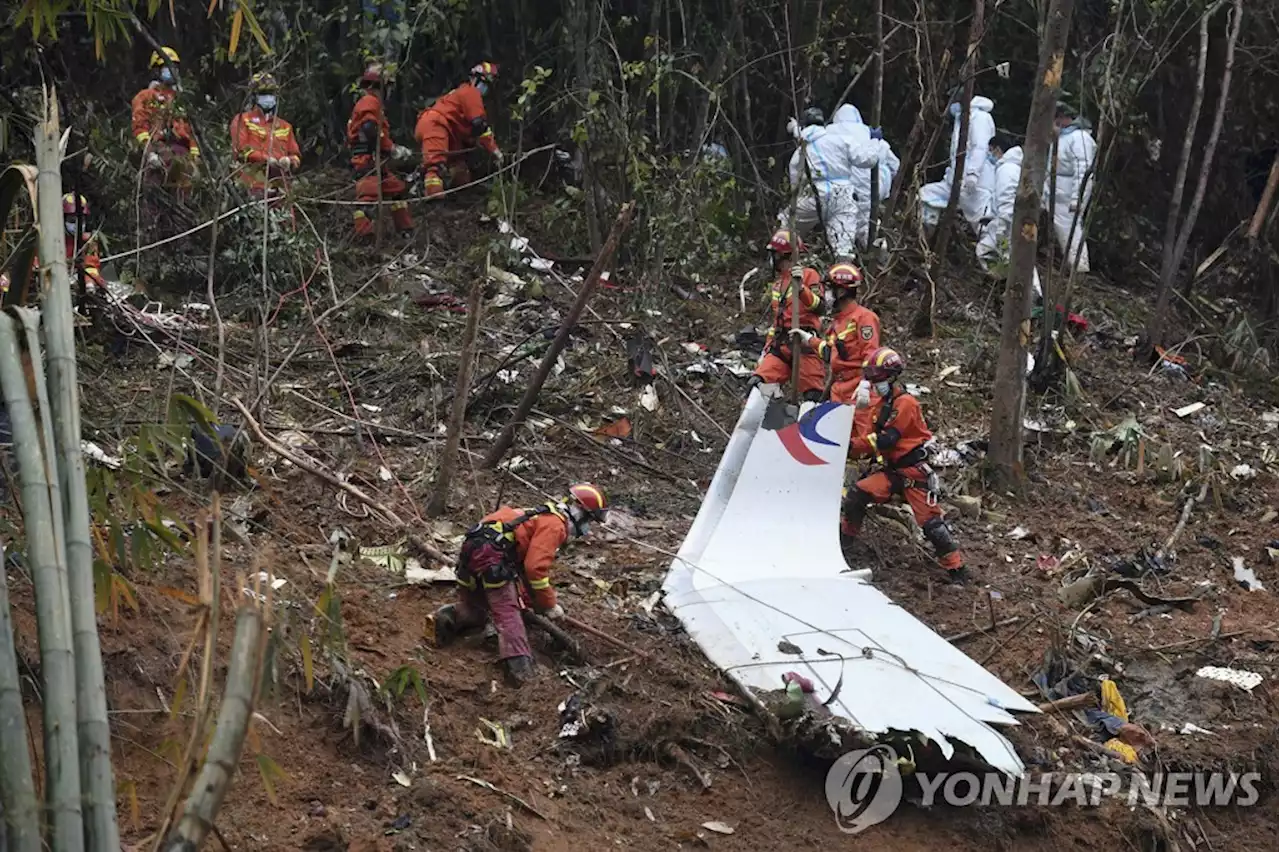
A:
[(70, 225), (166, 75), (483, 88), (883, 388), (829, 300), (992, 159), (954, 109), (267, 102)]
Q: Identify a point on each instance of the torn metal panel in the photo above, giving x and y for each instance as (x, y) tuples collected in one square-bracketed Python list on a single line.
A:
[(762, 563)]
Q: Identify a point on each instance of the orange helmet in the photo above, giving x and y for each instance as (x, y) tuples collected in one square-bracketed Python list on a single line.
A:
[(883, 365), (844, 274), (486, 71), (780, 243), (591, 498), (69, 205)]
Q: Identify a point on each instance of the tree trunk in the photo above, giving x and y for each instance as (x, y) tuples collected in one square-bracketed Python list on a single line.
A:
[(1009, 396), (94, 731), (21, 812), (945, 225), (457, 417), (1155, 327), (580, 27), (508, 434), (1168, 266), (1264, 204), (877, 104)]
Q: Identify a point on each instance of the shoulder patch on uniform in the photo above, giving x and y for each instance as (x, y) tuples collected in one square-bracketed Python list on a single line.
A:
[(866, 331)]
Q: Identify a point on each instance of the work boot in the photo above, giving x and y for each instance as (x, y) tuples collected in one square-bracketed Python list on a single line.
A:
[(446, 625), (363, 224), (958, 576), (401, 216), (518, 670), (432, 184)]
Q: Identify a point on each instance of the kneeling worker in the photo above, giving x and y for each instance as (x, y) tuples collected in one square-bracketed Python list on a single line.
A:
[(508, 548), (892, 431)]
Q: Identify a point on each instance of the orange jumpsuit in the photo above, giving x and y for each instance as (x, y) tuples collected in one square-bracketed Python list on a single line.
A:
[(257, 137), (454, 122), (158, 131), (86, 258), (775, 365), (537, 540), (895, 438), (854, 335), (367, 132)]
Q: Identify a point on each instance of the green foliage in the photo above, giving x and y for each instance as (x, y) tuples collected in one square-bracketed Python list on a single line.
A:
[(400, 680)]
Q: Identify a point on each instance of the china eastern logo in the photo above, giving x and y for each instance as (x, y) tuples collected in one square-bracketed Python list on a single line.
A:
[(797, 437)]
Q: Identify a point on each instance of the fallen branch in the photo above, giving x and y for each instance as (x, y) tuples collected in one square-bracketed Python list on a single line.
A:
[(457, 417), (568, 642), (979, 631), (680, 756), (480, 782), (315, 469), (508, 435), (1071, 702), (600, 634), (1182, 520)]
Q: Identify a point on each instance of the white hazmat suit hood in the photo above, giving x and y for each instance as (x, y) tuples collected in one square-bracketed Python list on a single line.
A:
[(848, 121), (978, 173)]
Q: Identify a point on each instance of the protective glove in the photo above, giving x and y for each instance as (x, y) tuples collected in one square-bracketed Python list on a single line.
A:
[(555, 613), (970, 183), (877, 133), (805, 336), (862, 395), (793, 126), (499, 157), (400, 152), (272, 162), (154, 161)]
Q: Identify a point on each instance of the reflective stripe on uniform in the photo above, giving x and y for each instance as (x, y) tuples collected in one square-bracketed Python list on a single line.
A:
[(544, 583)]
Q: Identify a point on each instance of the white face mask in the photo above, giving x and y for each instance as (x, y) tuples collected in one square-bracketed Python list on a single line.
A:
[(829, 300), (267, 102), (70, 225), (166, 75), (883, 388)]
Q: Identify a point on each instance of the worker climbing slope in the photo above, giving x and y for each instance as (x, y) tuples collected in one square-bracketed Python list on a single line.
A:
[(891, 430), (509, 551), (454, 123), (775, 363), (854, 334), (976, 181), (264, 144), (163, 135), (373, 155)]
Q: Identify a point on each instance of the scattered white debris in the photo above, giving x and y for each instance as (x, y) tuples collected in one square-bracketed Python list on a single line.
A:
[(384, 474), (401, 779), (1192, 728), (94, 452), (1243, 472), (178, 362), (1188, 410), (649, 398), (370, 408), (917, 390), (947, 371), (514, 464), (1239, 677), (718, 827), (1018, 533), (508, 376), (1244, 574)]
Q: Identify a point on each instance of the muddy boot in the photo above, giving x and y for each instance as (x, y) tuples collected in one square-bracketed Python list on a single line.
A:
[(958, 576), (489, 638), (446, 625), (518, 670)]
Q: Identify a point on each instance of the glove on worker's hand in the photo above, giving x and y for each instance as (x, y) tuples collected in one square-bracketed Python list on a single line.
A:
[(555, 613), (793, 126), (877, 133), (805, 336), (400, 152), (970, 183), (498, 156), (862, 395), (154, 161)]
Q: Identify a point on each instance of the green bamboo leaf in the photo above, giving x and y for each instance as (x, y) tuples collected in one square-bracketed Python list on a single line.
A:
[(271, 773)]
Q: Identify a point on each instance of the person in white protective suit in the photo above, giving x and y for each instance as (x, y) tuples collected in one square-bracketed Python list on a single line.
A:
[(1006, 158), (848, 121), (976, 181), (825, 180), (1076, 152)]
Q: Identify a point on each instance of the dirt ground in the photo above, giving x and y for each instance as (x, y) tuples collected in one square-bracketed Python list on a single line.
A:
[(306, 783)]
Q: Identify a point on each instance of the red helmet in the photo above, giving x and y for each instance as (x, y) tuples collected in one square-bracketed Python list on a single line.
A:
[(780, 243), (844, 274), (69, 205), (486, 71), (373, 74), (883, 365), (591, 498)]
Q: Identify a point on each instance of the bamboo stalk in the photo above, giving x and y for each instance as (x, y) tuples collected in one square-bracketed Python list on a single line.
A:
[(214, 780), (53, 621), (93, 729), (18, 805)]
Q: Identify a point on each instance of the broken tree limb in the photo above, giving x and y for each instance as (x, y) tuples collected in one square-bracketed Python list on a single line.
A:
[(600, 634), (1182, 519), (417, 542), (457, 417), (1264, 204), (556, 632), (508, 434), (681, 756), (981, 631), (1071, 702), (480, 782)]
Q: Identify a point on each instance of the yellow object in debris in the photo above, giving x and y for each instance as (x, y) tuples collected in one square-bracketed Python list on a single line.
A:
[(1112, 702), (1121, 749)]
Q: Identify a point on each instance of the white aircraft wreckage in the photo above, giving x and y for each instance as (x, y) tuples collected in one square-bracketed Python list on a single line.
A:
[(762, 565)]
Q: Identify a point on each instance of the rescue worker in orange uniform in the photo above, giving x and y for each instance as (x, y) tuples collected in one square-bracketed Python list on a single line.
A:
[(775, 364), (509, 551), (891, 430), (81, 247), (263, 143), (369, 138), (164, 137), (455, 122), (853, 335)]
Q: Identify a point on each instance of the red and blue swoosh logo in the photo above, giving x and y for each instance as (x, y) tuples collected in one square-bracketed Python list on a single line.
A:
[(795, 436)]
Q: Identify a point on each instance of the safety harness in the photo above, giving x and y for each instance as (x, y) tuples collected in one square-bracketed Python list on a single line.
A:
[(489, 550), (914, 458)]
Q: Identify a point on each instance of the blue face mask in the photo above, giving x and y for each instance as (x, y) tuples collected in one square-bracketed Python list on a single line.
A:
[(883, 388), (483, 88), (992, 158), (166, 75), (267, 102)]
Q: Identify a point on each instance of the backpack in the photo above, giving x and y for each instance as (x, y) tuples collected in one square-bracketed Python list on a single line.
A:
[(489, 548)]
